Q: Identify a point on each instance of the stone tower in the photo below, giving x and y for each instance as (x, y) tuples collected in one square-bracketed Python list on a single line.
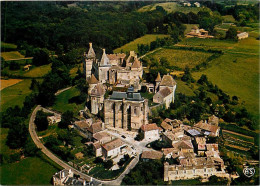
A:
[(157, 81), (89, 58)]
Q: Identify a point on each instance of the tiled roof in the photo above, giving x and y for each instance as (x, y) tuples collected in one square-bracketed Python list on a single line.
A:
[(116, 56), (166, 126), (136, 64), (152, 155), (123, 95), (213, 120), (91, 53), (82, 124), (100, 135), (207, 127), (113, 144), (98, 90), (164, 92), (183, 145), (168, 150), (167, 80), (149, 127), (97, 145), (158, 77), (95, 127), (93, 80), (212, 146)]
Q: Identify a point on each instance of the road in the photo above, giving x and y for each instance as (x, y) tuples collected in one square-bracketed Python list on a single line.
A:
[(48, 153)]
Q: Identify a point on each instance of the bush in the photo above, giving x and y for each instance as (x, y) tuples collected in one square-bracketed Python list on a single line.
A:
[(108, 164), (98, 160)]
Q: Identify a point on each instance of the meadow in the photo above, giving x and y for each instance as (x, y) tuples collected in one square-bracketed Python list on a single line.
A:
[(132, 46), (38, 71), (170, 7), (15, 94), (11, 55), (181, 58), (7, 46), (63, 102)]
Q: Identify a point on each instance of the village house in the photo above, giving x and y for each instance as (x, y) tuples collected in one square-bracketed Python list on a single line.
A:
[(170, 153), (54, 119), (242, 35), (213, 120), (184, 146), (126, 110), (199, 33), (113, 148), (193, 168), (165, 90), (207, 129), (66, 177), (102, 137), (150, 131), (97, 148), (200, 143), (151, 155), (174, 136), (82, 125)]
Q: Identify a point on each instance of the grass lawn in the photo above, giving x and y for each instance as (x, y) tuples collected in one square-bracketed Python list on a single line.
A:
[(183, 88), (228, 19), (170, 7), (38, 71), (181, 58), (7, 46), (73, 71), (62, 101), (15, 94), (11, 55), (147, 39), (29, 171)]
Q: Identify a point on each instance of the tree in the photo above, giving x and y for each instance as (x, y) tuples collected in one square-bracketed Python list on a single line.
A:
[(41, 120), (108, 164), (66, 119), (41, 57), (34, 85), (17, 134), (30, 149), (231, 33)]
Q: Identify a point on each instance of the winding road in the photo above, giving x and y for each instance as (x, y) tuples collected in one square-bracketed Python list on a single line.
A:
[(48, 153)]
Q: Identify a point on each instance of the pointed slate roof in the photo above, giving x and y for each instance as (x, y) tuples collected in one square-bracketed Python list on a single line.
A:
[(91, 53), (93, 80), (104, 60), (158, 77)]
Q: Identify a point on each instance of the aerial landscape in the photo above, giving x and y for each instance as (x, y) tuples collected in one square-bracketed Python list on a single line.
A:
[(129, 92)]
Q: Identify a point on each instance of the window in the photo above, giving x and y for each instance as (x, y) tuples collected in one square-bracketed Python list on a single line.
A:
[(142, 109), (135, 110)]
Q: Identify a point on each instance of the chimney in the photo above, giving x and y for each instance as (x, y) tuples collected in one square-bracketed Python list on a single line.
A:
[(90, 45)]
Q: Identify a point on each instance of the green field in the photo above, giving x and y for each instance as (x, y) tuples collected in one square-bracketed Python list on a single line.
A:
[(8, 46), (228, 19), (29, 171), (183, 88), (62, 101), (11, 55), (170, 7), (38, 71), (235, 72), (15, 94), (181, 58), (147, 39)]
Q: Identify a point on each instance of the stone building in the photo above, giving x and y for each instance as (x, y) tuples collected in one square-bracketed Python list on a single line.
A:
[(114, 68), (150, 131), (199, 33), (193, 168), (97, 98), (165, 90), (127, 110)]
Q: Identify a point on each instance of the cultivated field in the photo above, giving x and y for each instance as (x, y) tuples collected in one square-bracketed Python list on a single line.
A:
[(181, 58), (15, 95), (170, 7), (38, 71), (11, 55), (8, 46), (235, 72), (9, 82), (147, 39), (228, 19)]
